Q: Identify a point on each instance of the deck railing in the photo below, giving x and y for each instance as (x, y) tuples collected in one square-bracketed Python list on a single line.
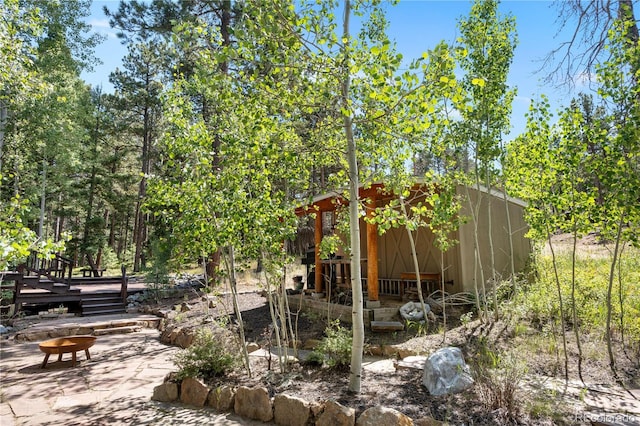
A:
[(386, 286), (58, 268)]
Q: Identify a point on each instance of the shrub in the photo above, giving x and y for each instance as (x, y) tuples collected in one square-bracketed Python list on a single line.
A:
[(315, 358), (418, 327), (335, 347), (498, 380), (209, 356), (538, 302)]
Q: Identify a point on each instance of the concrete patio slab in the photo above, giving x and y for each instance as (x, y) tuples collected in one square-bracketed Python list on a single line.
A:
[(29, 408)]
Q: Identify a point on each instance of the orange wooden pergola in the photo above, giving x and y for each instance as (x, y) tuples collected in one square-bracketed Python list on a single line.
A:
[(329, 203)]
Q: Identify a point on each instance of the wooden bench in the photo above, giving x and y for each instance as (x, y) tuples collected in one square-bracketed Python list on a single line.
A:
[(65, 345), (425, 278)]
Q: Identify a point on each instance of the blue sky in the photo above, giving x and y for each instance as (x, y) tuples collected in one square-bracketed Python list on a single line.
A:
[(416, 26)]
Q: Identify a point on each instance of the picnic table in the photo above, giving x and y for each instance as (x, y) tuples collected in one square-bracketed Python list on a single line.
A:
[(92, 272)]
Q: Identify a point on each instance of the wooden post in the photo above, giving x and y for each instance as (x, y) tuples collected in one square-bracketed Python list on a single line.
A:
[(372, 254), (318, 261), (17, 301), (123, 285)]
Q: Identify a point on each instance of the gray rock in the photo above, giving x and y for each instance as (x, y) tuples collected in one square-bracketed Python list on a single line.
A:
[(135, 298), (335, 414), (412, 311), (222, 398), (413, 362), (290, 410), (446, 372), (375, 416), (193, 392), (253, 403), (166, 392), (4, 330)]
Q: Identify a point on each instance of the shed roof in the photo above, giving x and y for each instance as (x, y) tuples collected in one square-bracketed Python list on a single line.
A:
[(332, 199)]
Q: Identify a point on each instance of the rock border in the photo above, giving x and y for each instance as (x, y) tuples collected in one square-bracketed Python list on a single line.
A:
[(283, 409)]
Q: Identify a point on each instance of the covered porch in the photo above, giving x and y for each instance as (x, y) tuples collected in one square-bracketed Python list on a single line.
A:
[(387, 269)]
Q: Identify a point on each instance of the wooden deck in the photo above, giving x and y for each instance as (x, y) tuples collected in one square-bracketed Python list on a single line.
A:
[(95, 295), (83, 287)]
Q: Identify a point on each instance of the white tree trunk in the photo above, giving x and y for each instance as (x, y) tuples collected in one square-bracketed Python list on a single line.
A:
[(234, 294), (494, 278), (510, 233), (355, 375), (414, 256), (616, 250), (477, 266)]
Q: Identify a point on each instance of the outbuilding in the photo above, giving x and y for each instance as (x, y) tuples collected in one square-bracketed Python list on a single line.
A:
[(388, 269)]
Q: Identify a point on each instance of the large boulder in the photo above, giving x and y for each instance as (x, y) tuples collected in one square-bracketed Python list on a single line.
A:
[(376, 416), (446, 372), (166, 392), (193, 392), (335, 414), (253, 403), (222, 398), (290, 410), (178, 336)]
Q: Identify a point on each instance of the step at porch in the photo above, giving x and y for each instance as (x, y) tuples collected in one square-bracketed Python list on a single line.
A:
[(117, 330), (102, 304)]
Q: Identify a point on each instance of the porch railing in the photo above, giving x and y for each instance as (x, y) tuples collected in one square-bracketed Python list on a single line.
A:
[(386, 286), (59, 268)]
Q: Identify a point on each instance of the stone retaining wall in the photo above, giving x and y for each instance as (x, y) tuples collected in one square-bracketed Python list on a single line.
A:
[(52, 331), (282, 409)]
